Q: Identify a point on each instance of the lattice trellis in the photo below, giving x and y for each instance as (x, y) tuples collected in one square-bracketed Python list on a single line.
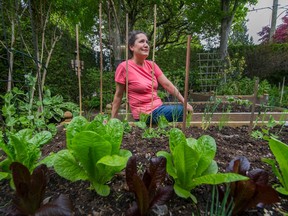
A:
[(210, 71)]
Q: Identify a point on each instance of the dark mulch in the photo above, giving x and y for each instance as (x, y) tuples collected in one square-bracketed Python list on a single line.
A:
[(231, 142)]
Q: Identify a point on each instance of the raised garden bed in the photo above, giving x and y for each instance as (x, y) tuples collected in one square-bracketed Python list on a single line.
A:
[(230, 142), (230, 114)]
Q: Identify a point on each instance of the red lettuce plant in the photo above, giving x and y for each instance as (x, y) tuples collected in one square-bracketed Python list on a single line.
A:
[(30, 191), (251, 193), (147, 190)]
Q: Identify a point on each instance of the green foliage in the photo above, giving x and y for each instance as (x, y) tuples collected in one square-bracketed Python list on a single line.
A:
[(263, 61), (245, 86), (217, 207), (236, 68), (266, 129), (191, 163), (175, 70), (93, 152), (276, 98), (20, 112), (91, 95), (240, 35), (162, 123), (209, 110), (279, 164), (23, 146)]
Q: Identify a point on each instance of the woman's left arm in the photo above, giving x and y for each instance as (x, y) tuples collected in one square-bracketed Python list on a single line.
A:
[(168, 85)]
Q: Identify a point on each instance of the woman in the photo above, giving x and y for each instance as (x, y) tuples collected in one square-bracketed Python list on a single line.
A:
[(141, 97)]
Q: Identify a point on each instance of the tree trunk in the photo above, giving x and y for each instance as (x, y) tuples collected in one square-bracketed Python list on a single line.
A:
[(226, 23), (273, 20)]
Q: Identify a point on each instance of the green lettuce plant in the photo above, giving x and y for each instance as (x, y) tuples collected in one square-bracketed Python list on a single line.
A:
[(23, 146), (279, 164), (93, 152), (191, 163)]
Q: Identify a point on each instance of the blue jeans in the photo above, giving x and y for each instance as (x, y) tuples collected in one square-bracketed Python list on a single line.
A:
[(171, 113)]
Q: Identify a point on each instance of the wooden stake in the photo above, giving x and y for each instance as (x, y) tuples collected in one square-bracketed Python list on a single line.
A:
[(253, 105), (186, 82), (282, 90), (78, 70), (101, 58), (127, 31), (153, 60)]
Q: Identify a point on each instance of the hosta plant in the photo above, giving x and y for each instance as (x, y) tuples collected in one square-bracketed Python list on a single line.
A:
[(249, 193), (279, 164), (148, 189), (190, 163), (93, 152), (30, 192)]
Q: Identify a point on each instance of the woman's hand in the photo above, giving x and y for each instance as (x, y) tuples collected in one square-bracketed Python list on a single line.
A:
[(189, 108)]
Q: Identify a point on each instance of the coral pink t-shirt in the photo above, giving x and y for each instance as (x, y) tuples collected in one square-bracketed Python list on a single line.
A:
[(140, 86)]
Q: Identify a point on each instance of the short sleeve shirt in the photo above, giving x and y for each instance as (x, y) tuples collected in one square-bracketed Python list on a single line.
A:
[(140, 86)]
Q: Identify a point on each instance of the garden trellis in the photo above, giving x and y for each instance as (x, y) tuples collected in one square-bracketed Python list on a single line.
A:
[(210, 71)]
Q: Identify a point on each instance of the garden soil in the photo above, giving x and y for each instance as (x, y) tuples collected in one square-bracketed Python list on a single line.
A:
[(231, 142)]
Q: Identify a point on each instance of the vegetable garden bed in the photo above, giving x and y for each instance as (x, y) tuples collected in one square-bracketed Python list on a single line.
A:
[(231, 142), (230, 114)]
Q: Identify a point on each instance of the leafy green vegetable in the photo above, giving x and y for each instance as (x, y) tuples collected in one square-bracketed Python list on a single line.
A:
[(250, 193), (191, 163), (280, 152), (93, 153), (23, 146), (30, 191), (147, 190), (20, 112)]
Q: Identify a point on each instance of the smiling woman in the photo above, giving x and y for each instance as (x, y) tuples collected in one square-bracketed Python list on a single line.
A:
[(143, 79)]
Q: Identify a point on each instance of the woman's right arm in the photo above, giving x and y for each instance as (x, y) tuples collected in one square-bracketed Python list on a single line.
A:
[(120, 88)]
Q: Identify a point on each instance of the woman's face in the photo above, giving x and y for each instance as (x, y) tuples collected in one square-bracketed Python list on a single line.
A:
[(140, 47)]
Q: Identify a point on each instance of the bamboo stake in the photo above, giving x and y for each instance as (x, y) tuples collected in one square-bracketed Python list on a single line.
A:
[(282, 90), (253, 105), (186, 82), (126, 67), (110, 50), (153, 60), (78, 70), (101, 57)]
